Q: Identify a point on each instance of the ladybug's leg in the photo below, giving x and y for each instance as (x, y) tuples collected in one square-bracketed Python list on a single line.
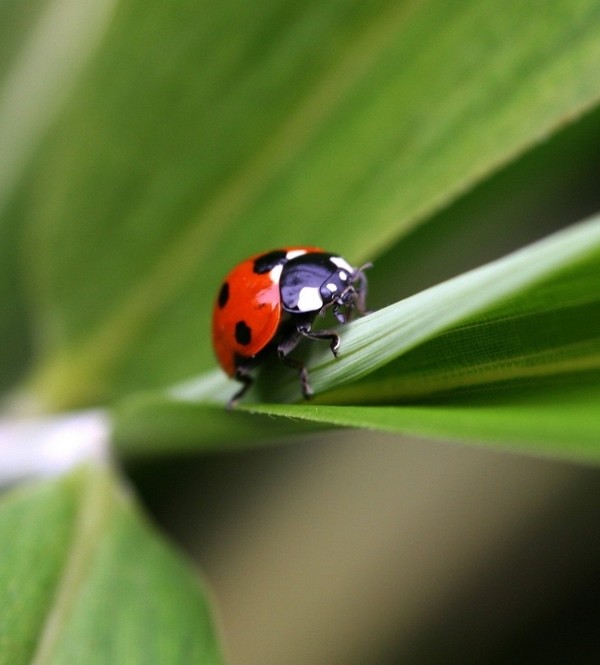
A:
[(307, 391), (242, 374), (284, 348), (304, 328), (289, 342)]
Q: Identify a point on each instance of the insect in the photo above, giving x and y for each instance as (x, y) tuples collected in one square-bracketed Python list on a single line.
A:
[(270, 301)]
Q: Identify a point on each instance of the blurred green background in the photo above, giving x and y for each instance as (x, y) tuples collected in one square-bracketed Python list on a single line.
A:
[(145, 147)]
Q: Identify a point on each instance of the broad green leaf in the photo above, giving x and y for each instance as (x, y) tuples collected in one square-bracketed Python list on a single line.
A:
[(84, 579), (15, 332), (549, 188), (520, 335), (199, 131), (43, 46)]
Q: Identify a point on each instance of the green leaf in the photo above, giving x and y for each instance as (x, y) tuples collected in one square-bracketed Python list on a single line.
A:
[(517, 339), (342, 124), (84, 579), (562, 421), (153, 424)]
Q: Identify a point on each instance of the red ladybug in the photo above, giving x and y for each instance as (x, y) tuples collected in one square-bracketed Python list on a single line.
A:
[(270, 302)]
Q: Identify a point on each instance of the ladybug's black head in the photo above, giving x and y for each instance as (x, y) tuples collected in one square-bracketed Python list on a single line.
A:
[(344, 292), (315, 282)]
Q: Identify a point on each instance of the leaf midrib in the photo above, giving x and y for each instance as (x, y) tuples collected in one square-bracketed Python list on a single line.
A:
[(94, 512)]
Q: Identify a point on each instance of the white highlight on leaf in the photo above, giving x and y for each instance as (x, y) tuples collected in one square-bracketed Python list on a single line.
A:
[(309, 299), (213, 387), (50, 446)]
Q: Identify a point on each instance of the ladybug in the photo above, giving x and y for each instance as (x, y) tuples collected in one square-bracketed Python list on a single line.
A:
[(270, 301)]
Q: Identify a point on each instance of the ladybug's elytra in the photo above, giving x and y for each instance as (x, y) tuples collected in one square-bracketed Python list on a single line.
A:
[(271, 300)]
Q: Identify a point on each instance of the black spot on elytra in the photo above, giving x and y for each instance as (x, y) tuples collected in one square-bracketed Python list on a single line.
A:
[(267, 262), (243, 334), (223, 295)]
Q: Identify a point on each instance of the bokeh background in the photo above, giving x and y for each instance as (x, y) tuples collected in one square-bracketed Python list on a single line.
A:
[(147, 146)]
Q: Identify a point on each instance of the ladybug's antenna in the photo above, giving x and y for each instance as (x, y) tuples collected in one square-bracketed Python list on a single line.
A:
[(361, 292)]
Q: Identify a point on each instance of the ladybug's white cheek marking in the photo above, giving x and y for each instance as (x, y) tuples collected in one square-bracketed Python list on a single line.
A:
[(343, 276), (309, 299), (275, 274), (342, 263), (332, 287), (292, 254)]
